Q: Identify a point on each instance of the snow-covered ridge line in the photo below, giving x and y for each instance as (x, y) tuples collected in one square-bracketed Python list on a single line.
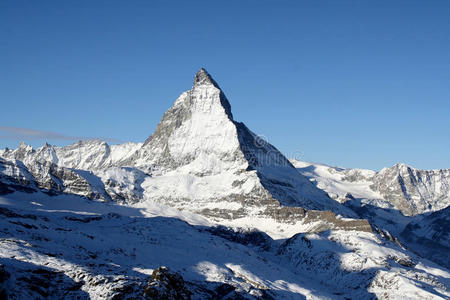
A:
[(83, 155), (407, 189)]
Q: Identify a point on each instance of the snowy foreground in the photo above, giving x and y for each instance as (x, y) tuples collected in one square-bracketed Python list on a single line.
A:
[(205, 209), (67, 246)]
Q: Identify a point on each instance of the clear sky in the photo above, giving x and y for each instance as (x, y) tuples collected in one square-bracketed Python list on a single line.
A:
[(348, 83)]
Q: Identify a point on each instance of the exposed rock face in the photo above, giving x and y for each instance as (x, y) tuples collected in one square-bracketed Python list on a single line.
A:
[(47, 176), (414, 191), (166, 285), (197, 128)]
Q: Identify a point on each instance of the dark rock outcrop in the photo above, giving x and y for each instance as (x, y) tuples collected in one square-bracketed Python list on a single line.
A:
[(166, 285)]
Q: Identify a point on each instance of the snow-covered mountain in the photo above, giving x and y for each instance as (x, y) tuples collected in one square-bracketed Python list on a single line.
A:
[(414, 191), (401, 187), (83, 155), (198, 159), (224, 210)]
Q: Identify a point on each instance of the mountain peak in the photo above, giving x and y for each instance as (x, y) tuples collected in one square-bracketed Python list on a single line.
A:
[(202, 77)]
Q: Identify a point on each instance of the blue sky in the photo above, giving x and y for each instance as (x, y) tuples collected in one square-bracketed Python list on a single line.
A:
[(349, 83)]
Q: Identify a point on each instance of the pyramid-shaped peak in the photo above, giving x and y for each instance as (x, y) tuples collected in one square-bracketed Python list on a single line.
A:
[(203, 78)]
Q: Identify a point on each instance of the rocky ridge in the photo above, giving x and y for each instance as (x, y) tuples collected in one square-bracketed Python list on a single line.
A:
[(401, 187)]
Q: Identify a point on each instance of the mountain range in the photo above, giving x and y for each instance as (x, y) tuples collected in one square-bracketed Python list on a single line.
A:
[(206, 209)]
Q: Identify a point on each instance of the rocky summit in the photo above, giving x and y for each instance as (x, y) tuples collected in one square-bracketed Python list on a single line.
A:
[(205, 208)]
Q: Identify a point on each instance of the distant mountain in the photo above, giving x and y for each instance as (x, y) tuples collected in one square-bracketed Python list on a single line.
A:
[(402, 187), (414, 191)]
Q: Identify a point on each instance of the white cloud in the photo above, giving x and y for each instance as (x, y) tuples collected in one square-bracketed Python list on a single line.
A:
[(17, 133)]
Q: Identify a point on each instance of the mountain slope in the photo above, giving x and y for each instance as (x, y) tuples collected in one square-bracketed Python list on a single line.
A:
[(430, 236), (106, 251)]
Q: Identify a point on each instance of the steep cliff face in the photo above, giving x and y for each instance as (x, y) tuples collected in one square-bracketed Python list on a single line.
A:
[(197, 133), (414, 191)]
